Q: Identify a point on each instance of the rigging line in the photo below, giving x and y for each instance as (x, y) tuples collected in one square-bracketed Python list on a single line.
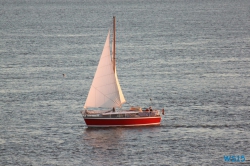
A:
[(106, 96), (111, 28), (108, 84), (105, 75), (102, 66), (74, 22), (129, 104)]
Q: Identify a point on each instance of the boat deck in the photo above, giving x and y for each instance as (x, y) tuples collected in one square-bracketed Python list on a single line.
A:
[(123, 114)]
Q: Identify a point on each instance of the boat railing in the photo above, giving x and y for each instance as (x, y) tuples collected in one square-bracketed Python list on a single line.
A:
[(134, 114)]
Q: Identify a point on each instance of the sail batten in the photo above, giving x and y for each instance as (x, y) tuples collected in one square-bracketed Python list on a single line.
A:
[(105, 90)]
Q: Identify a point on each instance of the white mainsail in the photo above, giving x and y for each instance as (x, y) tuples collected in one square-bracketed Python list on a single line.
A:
[(105, 91)]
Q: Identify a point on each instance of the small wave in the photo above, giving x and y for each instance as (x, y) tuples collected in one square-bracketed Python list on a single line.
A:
[(2, 141), (201, 126)]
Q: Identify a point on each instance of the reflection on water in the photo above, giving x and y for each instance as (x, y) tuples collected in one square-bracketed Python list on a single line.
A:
[(103, 138), (119, 144), (111, 138)]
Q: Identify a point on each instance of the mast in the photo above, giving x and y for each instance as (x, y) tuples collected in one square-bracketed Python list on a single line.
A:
[(113, 44)]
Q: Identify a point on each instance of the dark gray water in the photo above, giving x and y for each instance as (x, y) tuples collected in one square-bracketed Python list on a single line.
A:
[(191, 57)]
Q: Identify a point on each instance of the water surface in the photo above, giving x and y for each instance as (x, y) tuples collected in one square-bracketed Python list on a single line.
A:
[(190, 57)]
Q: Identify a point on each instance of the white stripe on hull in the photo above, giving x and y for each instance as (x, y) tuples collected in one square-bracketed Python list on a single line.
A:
[(121, 118), (148, 124)]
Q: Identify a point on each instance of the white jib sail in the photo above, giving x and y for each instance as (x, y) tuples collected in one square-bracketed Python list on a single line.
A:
[(122, 99), (105, 90)]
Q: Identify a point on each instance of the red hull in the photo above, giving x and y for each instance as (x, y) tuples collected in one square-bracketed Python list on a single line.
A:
[(114, 122)]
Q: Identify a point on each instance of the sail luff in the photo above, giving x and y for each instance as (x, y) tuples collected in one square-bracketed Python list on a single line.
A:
[(113, 51)]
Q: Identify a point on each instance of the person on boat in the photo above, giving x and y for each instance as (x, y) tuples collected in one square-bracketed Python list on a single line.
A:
[(113, 109), (162, 111), (150, 109)]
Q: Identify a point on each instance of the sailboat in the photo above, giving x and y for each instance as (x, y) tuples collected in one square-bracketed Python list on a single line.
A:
[(106, 93)]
